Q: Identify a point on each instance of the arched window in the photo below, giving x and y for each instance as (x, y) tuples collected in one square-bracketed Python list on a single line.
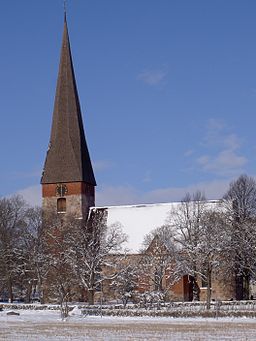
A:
[(61, 205)]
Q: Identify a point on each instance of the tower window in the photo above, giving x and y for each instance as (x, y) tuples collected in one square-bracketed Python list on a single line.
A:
[(61, 205)]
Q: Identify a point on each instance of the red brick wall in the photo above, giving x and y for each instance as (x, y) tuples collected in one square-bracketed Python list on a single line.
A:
[(49, 190)]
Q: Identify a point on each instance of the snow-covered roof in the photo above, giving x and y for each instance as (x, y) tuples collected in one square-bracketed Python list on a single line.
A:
[(139, 220)]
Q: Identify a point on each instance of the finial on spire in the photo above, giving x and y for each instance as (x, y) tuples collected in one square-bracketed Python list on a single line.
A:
[(65, 8)]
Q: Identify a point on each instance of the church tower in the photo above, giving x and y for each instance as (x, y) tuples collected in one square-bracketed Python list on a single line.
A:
[(68, 183)]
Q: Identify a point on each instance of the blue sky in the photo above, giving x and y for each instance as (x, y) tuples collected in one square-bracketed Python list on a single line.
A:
[(167, 88)]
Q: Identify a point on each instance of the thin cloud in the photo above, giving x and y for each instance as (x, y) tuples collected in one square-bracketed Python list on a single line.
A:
[(26, 175), (147, 177), (128, 195), (189, 152), (102, 165), (32, 194), (227, 162), (223, 156), (153, 77)]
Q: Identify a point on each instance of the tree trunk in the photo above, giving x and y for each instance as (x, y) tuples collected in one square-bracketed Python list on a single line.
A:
[(209, 291), (91, 296), (239, 287), (40, 289), (41, 296), (29, 292), (246, 286), (196, 289), (64, 309), (91, 288), (10, 292)]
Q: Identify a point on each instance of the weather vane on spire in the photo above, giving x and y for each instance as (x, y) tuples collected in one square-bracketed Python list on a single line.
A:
[(65, 6)]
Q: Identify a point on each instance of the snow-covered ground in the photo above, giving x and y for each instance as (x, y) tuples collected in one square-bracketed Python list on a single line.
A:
[(47, 325)]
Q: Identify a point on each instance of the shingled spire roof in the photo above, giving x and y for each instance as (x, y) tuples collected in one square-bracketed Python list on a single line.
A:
[(68, 158)]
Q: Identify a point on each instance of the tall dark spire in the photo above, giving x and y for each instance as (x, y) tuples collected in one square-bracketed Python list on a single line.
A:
[(67, 159)]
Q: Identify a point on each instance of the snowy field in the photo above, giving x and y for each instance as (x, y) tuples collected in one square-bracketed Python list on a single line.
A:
[(47, 325)]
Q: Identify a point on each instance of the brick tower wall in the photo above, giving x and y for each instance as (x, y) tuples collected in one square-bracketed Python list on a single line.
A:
[(79, 198)]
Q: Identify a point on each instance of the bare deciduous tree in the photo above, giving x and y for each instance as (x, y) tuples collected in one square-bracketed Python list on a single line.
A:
[(159, 270), (240, 205), (35, 259), (12, 223), (60, 283), (92, 245), (125, 282), (185, 219), (212, 246)]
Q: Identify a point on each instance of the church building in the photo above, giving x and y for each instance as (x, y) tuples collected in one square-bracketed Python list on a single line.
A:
[(68, 182)]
